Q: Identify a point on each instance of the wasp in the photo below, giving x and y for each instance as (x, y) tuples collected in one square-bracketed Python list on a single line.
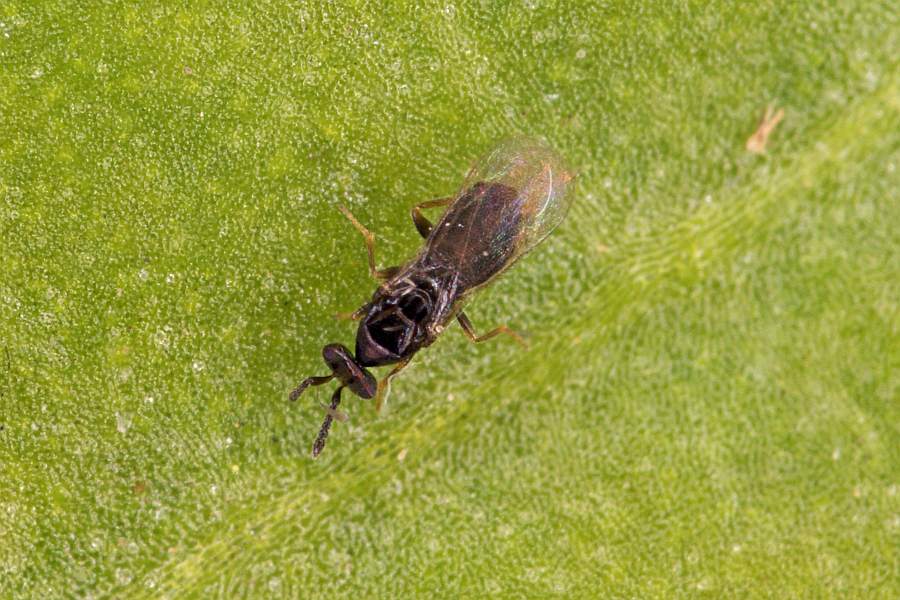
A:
[(510, 201)]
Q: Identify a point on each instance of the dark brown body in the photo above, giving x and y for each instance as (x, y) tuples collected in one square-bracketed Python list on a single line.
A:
[(472, 243), (511, 201)]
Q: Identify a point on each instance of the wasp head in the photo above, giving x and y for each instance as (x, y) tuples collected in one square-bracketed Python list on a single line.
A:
[(396, 324)]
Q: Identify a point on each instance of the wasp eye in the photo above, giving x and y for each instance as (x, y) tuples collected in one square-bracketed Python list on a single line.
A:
[(389, 332), (415, 307)]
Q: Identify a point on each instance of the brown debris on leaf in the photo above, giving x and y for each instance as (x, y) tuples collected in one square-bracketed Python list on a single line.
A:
[(756, 143)]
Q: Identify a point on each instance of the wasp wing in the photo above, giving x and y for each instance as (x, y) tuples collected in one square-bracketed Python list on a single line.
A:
[(511, 200)]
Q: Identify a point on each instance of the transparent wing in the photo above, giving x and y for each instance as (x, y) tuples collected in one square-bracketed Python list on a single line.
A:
[(537, 173), (511, 200)]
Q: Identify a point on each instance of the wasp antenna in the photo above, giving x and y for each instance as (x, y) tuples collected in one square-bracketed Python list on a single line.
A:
[(319, 444), (308, 382), (335, 414)]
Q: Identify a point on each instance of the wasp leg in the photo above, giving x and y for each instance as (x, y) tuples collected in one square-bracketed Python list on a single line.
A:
[(335, 414), (387, 273), (319, 444), (356, 315), (423, 224), (375, 272), (308, 382), (469, 330), (384, 386)]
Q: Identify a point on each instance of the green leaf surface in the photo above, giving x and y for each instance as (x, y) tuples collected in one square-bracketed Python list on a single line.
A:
[(710, 404)]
